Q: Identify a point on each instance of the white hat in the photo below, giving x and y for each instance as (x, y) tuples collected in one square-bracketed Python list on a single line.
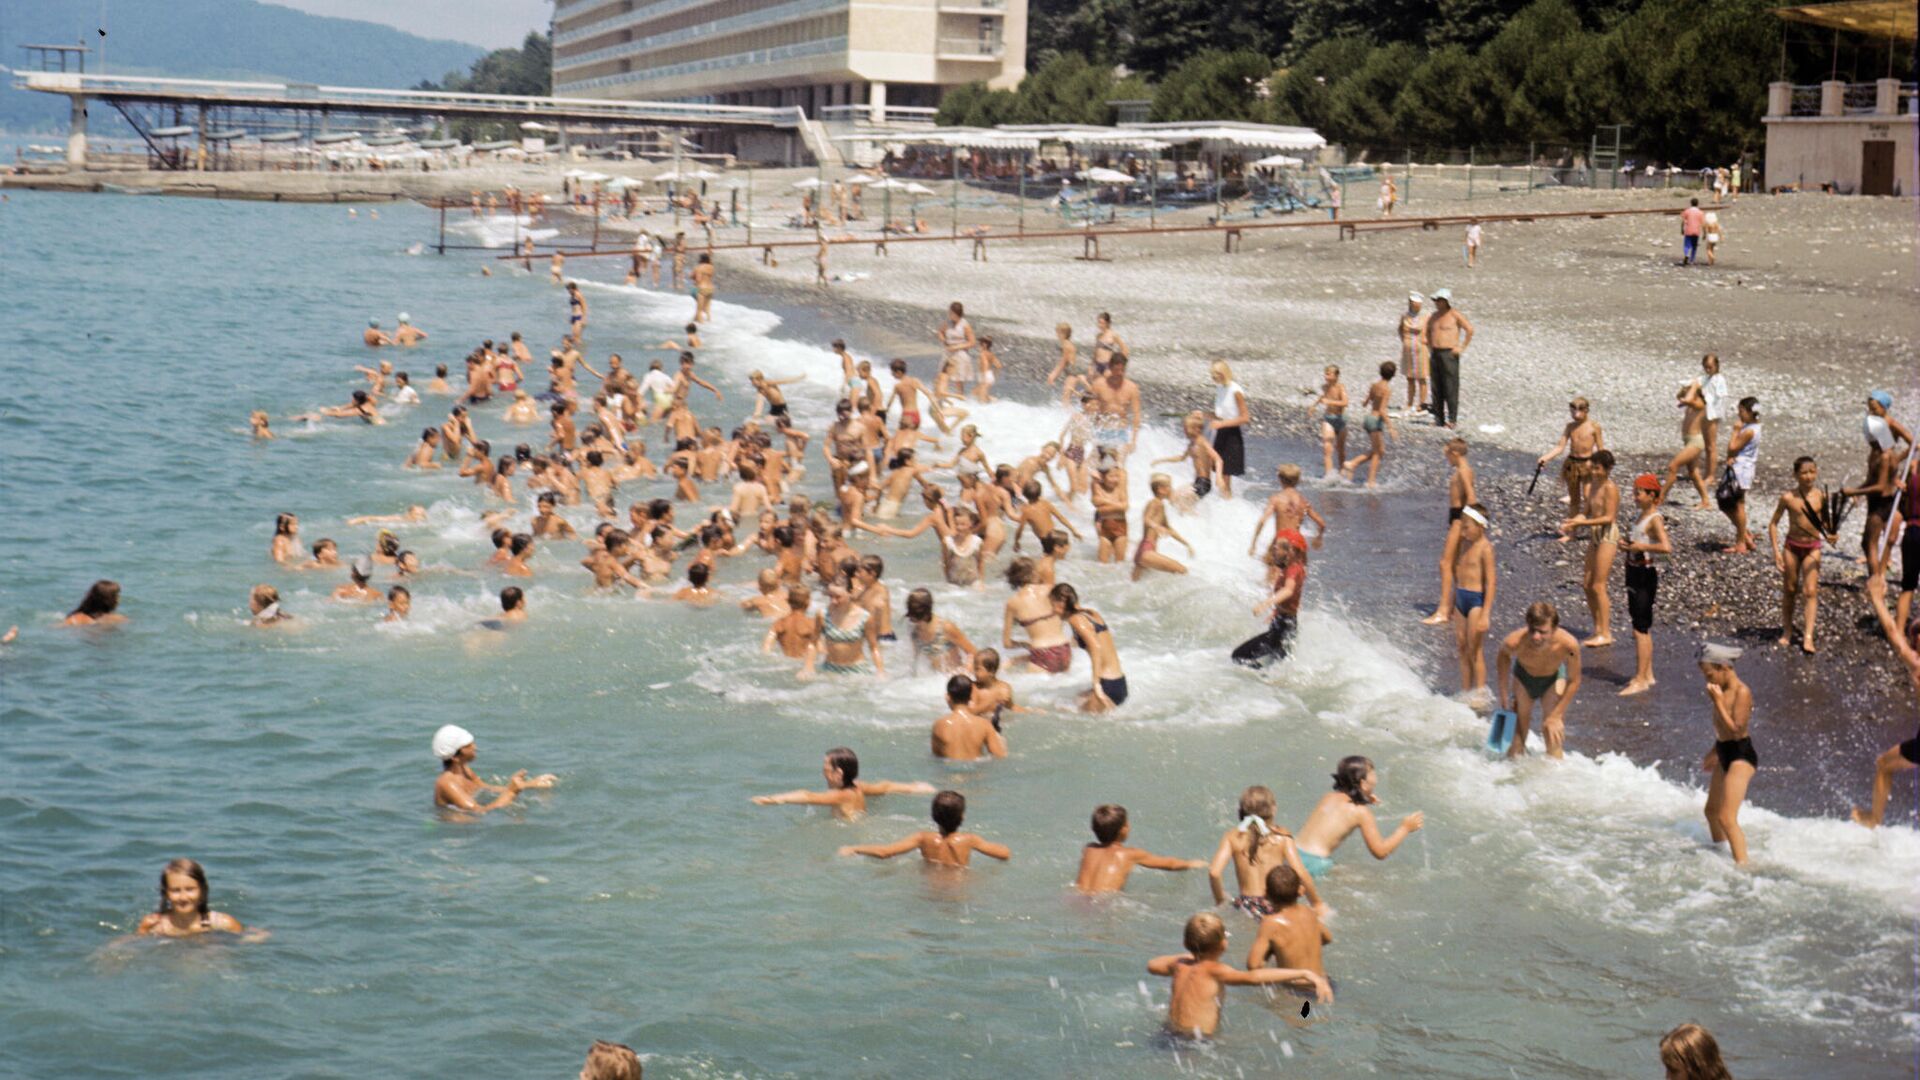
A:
[(1443, 294), (450, 740), (403, 316), (1415, 298)]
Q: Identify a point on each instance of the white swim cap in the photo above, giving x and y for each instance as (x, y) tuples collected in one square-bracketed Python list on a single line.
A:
[(403, 316), (449, 740)]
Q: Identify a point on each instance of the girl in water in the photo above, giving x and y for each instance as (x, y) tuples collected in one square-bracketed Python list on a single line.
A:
[(847, 632), (1046, 646), (184, 910), (1153, 526), (98, 607), (1109, 682), (423, 456), (943, 645), (1106, 345), (286, 539), (1255, 847), (263, 604), (1348, 807)]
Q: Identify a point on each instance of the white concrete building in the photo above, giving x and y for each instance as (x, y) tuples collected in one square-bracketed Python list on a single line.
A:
[(835, 59)]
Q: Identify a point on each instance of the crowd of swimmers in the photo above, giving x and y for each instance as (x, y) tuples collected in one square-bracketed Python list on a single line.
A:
[(733, 495)]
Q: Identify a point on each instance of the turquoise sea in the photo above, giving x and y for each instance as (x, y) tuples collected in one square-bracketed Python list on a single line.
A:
[(1552, 920)]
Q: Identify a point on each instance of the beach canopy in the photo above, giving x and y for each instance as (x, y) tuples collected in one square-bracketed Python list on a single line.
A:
[(888, 183), (1105, 176), (809, 182), (1277, 161), (171, 132), (919, 189)]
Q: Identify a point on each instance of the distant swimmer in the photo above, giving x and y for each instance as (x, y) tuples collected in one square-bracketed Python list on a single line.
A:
[(184, 906), (1545, 672), (100, 607), (1474, 581), (459, 788), (360, 408), (1291, 937), (263, 608), (513, 609), (1347, 808), (846, 793), (1689, 1052), (696, 591), (408, 334), (961, 734), (1253, 848), (771, 600), (1200, 979), (259, 422), (1903, 756), (357, 589), (285, 547), (947, 847), (1731, 761), (399, 604), (373, 336), (610, 1061), (403, 391), (1106, 863)]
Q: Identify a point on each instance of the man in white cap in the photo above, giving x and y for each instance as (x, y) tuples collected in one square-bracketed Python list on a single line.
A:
[(407, 333), (1446, 335), (458, 786), (374, 337), (1413, 353)]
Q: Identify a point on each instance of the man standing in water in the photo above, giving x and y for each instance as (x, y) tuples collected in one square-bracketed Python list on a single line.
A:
[(1446, 336), (1731, 762), (1545, 665), (1116, 407)]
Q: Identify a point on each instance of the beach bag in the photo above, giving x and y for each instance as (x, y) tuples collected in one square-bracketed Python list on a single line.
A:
[(1728, 491)]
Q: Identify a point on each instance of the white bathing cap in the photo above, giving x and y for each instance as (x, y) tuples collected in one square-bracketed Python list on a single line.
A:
[(449, 740)]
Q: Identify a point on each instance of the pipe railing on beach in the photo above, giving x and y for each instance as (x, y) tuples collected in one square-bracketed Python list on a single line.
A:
[(1230, 233)]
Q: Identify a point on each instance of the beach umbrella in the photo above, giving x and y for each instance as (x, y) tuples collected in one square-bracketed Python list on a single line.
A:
[(919, 189), (1105, 176), (1277, 161), (809, 182)]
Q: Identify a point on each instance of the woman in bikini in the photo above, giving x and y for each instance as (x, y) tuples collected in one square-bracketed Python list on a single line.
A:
[(1333, 422), (1046, 644), (1076, 436), (1255, 847), (937, 641), (847, 633), (1110, 514), (1693, 444), (1799, 558), (1109, 689), (1106, 345), (1153, 526)]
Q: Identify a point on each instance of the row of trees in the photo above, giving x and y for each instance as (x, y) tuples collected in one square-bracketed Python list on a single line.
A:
[(1688, 77), (525, 71)]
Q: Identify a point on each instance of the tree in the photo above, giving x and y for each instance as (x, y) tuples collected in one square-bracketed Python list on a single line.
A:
[(1360, 106), (1166, 32), (1214, 85), (1302, 93), (1444, 102)]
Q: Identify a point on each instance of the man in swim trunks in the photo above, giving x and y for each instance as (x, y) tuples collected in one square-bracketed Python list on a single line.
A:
[(1474, 578), (960, 735), (1116, 412), (1580, 438), (1545, 664), (408, 334), (373, 335), (1731, 761)]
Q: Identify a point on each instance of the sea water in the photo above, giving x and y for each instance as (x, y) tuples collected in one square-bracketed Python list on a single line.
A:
[(1551, 920)]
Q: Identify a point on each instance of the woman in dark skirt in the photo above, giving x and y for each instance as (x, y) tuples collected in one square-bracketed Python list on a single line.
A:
[(1229, 416)]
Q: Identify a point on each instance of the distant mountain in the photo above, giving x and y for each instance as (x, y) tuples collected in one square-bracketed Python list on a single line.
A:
[(213, 39)]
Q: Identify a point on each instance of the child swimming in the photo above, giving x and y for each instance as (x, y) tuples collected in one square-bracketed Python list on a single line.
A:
[(947, 847), (1200, 979), (1105, 863), (846, 793)]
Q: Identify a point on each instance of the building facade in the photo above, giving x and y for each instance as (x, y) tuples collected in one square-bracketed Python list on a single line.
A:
[(1852, 138), (836, 59)]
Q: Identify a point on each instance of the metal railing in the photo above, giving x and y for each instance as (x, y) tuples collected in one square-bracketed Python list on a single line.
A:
[(1860, 99), (302, 95), (972, 47), (1805, 101)]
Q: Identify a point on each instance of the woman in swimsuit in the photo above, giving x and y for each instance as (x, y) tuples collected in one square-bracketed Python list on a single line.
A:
[(1153, 526), (1731, 761), (1106, 345), (286, 539), (1349, 806), (1799, 559), (957, 344), (1599, 511), (1109, 682), (1255, 847), (1333, 423), (183, 910), (1743, 452), (99, 607), (1693, 443), (945, 648), (1110, 514), (1046, 645), (847, 633), (1076, 436)]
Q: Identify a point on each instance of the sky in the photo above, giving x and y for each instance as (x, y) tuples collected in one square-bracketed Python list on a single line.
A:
[(494, 24)]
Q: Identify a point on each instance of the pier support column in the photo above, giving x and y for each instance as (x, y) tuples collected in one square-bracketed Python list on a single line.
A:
[(77, 134)]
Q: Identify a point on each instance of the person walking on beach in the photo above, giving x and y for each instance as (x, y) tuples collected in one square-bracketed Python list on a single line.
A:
[(1799, 558), (1473, 244), (1333, 421), (1378, 424), (1743, 452), (1413, 353), (1447, 335), (1713, 398), (1693, 444), (1228, 423), (1474, 580), (1646, 538), (1539, 664), (1692, 219), (703, 290), (1731, 761)]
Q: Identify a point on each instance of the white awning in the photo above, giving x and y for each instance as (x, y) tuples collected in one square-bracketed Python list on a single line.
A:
[(1257, 136)]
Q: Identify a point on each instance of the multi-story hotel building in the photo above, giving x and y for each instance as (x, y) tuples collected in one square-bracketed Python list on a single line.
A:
[(821, 55)]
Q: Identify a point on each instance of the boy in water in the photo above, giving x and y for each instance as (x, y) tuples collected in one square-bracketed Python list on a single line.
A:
[(1731, 761), (1200, 979), (771, 601), (1293, 934), (992, 695), (948, 847), (846, 793), (1105, 863), (1474, 579), (1288, 508), (1377, 423), (1460, 494), (961, 735), (1545, 672), (797, 633)]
